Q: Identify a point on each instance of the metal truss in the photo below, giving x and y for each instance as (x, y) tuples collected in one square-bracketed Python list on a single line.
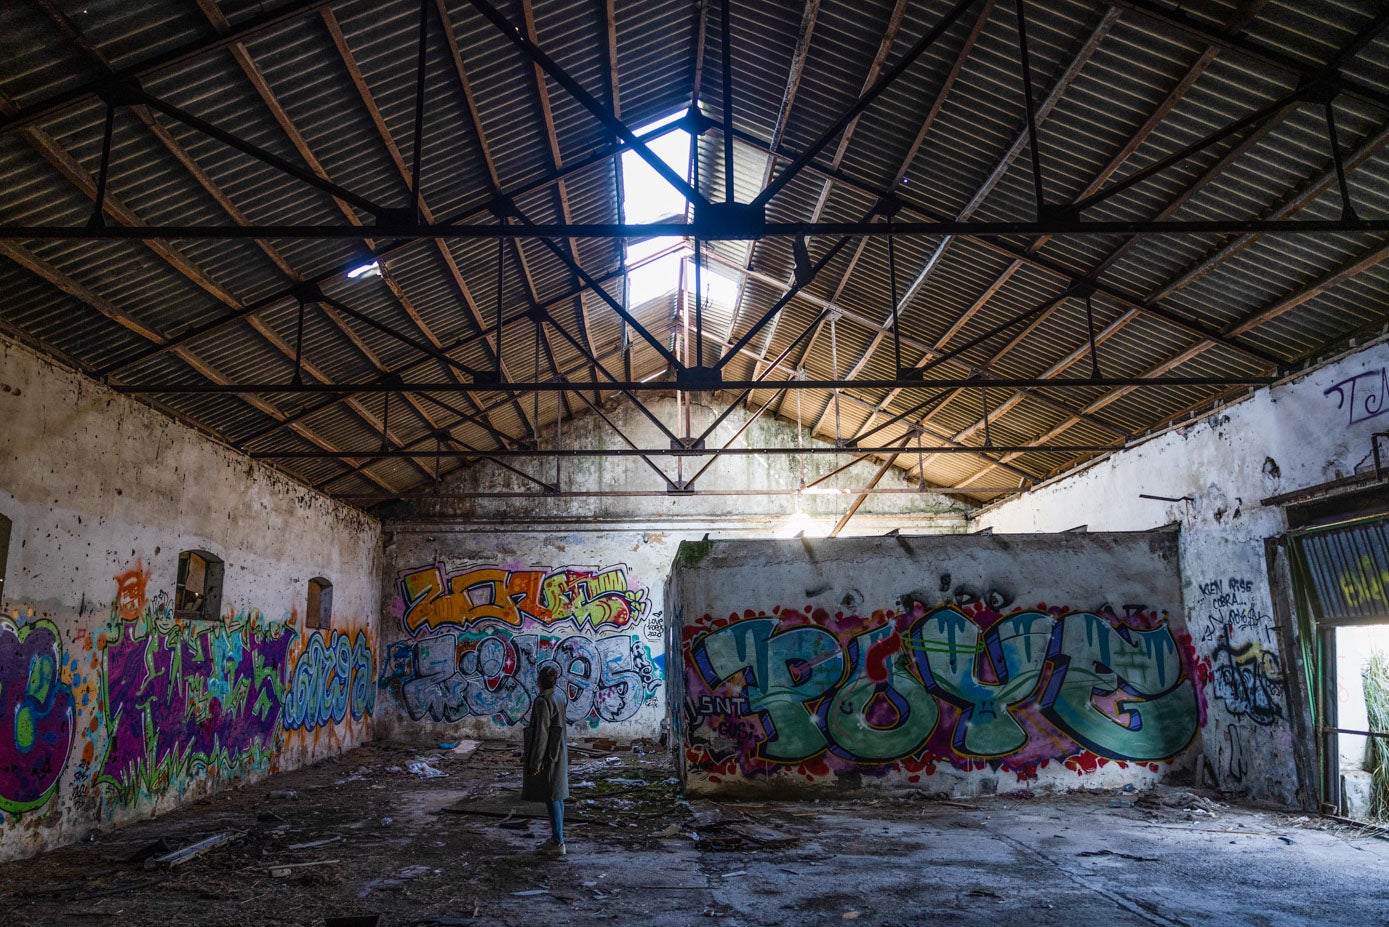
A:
[(391, 227)]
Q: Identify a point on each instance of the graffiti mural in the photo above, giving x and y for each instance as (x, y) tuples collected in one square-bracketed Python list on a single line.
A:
[(449, 677), (592, 599), (961, 685), (180, 699), (480, 635), (36, 714), (333, 675), (190, 698)]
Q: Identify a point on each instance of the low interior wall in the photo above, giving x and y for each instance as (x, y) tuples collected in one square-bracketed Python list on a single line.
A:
[(963, 664)]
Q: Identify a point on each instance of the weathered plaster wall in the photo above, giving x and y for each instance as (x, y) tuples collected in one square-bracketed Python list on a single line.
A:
[(110, 709), (965, 664), (1302, 433), (483, 590)]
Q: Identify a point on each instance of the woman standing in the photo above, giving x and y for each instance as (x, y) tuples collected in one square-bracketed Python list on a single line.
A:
[(547, 760)]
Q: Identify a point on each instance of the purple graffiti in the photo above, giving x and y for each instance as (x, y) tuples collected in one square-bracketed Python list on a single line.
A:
[(193, 700), (36, 715)]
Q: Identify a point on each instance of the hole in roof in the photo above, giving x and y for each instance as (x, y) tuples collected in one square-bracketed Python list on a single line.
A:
[(646, 195), (372, 269), (658, 278), (718, 287)]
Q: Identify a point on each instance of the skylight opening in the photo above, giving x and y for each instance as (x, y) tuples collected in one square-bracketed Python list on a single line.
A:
[(646, 195), (653, 280), (363, 271), (718, 287)]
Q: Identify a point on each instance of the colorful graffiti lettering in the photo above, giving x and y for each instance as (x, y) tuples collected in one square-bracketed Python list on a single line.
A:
[(1363, 396), (36, 715), (863, 693), (333, 675), (593, 599), (493, 674), (190, 698)]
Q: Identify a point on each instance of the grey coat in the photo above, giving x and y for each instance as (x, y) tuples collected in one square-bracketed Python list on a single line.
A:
[(546, 748)]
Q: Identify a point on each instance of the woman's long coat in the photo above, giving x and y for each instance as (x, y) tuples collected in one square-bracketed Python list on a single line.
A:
[(546, 748)]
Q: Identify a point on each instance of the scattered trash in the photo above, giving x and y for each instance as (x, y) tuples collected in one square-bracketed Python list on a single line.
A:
[(1287, 840), (413, 872), (192, 851), (448, 746), (288, 869), (851, 915), (387, 821), (394, 769), (613, 760), (283, 795), (530, 892), (734, 874), (159, 847), (465, 748), (1120, 803), (670, 831), (314, 843), (424, 770)]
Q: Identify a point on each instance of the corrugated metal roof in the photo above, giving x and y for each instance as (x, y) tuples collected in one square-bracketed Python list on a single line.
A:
[(332, 92)]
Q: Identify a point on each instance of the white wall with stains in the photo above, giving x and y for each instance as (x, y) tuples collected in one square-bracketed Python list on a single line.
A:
[(1301, 433), (111, 707), (493, 577)]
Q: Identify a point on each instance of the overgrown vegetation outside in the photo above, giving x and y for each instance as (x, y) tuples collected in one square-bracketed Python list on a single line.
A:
[(1376, 676)]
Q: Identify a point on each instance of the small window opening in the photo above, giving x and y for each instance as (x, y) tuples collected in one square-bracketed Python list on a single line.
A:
[(199, 592), (320, 611), (5, 527)]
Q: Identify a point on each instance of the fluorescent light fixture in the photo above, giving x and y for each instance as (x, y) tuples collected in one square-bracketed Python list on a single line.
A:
[(365, 270)]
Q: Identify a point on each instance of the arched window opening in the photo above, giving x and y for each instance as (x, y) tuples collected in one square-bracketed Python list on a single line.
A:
[(320, 610)]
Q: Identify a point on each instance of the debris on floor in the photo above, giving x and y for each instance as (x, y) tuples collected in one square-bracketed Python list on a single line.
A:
[(361, 839)]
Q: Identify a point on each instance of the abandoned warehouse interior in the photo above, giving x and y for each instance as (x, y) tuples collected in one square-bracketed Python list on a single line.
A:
[(940, 445)]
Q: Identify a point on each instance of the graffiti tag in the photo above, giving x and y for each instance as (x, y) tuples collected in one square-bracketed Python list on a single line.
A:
[(1363, 396), (1249, 680)]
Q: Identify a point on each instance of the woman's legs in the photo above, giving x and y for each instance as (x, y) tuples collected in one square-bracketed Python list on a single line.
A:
[(555, 811)]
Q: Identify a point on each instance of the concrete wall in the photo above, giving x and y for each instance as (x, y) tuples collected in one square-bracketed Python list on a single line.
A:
[(481, 590), (110, 708), (1299, 434), (966, 664)]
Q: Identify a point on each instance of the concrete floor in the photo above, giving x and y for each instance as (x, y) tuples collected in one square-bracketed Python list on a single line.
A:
[(385, 841)]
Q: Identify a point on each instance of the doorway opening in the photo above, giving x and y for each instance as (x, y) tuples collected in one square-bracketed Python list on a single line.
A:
[(1340, 576)]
